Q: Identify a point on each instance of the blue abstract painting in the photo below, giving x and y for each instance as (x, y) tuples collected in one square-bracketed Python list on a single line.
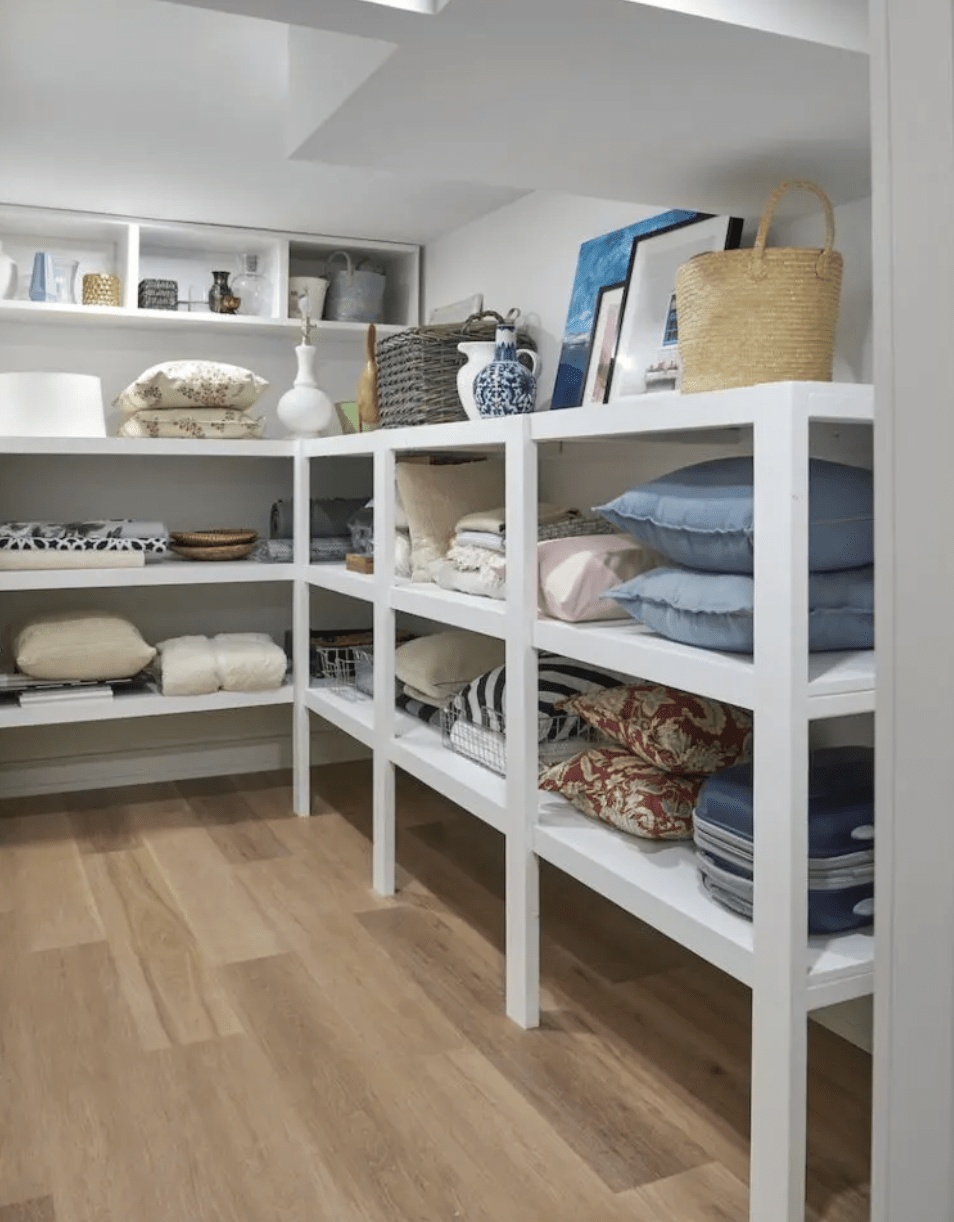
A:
[(603, 261)]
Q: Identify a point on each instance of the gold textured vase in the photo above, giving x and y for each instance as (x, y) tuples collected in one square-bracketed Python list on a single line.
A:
[(100, 289)]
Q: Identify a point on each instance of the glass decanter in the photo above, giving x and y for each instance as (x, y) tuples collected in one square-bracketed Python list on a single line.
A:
[(254, 289)]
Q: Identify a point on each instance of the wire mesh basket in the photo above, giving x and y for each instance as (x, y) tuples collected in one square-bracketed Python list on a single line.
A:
[(352, 674), (484, 739)]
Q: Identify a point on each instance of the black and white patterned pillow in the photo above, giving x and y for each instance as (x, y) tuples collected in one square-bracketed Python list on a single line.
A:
[(483, 701)]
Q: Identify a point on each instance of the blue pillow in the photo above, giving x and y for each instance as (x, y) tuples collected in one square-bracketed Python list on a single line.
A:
[(714, 610), (701, 516)]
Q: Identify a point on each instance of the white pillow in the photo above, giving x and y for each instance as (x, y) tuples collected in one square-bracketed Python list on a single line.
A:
[(438, 665), (436, 497), (80, 645), (192, 384)]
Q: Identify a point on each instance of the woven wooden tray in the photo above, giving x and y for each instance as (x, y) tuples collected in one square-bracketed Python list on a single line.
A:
[(235, 551), (213, 538)]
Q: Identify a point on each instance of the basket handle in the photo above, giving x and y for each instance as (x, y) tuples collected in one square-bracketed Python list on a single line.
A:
[(349, 263), (759, 270), (512, 315)]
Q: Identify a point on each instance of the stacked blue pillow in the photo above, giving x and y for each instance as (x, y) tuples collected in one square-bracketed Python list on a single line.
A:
[(840, 839), (702, 519)]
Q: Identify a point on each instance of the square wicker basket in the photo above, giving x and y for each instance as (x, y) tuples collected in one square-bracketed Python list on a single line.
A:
[(417, 370)]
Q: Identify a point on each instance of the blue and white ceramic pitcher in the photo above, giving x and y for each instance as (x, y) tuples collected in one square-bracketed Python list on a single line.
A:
[(505, 387)]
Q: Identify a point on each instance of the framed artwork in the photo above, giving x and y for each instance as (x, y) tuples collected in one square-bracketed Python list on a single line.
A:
[(647, 349), (603, 343), (603, 262)]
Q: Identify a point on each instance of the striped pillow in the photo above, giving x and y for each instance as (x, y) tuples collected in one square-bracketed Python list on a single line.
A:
[(483, 701)]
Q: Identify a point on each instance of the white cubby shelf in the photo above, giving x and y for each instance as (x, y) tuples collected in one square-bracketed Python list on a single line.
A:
[(135, 249)]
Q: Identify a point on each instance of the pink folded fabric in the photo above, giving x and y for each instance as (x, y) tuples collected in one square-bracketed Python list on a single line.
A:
[(574, 572)]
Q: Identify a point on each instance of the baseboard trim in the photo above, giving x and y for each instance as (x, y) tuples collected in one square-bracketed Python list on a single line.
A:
[(175, 762)]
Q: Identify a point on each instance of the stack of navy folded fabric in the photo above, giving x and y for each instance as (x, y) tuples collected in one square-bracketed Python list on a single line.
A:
[(840, 839)]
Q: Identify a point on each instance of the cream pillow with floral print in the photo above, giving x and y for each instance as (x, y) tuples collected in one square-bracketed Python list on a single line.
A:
[(192, 384)]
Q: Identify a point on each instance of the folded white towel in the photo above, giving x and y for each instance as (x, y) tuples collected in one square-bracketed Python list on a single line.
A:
[(187, 666), (248, 662)]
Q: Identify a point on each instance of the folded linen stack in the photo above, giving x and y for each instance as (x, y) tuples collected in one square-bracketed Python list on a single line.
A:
[(192, 399), (476, 559), (840, 839), (701, 518), (109, 543)]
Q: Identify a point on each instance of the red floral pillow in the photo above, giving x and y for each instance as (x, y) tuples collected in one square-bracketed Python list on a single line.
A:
[(672, 730), (616, 787)]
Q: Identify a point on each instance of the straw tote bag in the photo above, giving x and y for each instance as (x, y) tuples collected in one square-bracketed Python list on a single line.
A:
[(760, 315)]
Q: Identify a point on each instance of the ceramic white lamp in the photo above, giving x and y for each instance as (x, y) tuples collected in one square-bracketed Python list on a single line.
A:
[(51, 405), (305, 410)]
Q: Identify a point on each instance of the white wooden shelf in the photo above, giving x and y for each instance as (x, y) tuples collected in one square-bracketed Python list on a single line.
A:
[(659, 883), (838, 683), (151, 447), (172, 320), (421, 752), (353, 715), (341, 580), (159, 573), (486, 615), (141, 704)]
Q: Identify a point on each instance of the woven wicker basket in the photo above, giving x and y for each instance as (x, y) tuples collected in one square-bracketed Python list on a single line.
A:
[(417, 370), (760, 315)]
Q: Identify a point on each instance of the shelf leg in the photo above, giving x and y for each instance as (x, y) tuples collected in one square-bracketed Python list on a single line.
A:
[(383, 863), (523, 869), (301, 631), (779, 992)]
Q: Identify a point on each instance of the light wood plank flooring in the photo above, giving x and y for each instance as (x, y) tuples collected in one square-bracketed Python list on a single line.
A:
[(206, 1015)]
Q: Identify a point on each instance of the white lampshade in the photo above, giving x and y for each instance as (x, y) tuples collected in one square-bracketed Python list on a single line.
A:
[(51, 405)]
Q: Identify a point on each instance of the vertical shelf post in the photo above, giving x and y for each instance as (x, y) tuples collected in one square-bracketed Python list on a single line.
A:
[(383, 778), (522, 750), (301, 631), (779, 992)]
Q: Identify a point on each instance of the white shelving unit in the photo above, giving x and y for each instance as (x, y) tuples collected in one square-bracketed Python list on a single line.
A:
[(786, 688)]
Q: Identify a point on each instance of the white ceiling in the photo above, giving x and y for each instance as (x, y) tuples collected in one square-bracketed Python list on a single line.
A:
[(363, 118)]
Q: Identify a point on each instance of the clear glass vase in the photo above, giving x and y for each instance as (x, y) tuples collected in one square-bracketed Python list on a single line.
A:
[(254, 289)]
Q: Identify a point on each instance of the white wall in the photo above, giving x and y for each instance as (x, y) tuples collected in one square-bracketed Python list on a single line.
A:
[(524, 254)]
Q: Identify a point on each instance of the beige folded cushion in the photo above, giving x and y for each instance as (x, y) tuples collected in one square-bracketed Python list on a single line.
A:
[(438, 665), (80, 645), (436, 497), (223, 423), (191, 384)]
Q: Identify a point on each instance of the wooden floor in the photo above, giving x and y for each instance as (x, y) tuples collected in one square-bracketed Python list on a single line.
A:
[(206, 1016)]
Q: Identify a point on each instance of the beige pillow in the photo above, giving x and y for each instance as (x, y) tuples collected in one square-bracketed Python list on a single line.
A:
[(221, 423), (80, 645), (436, 666), (436, 497), (192, 384)]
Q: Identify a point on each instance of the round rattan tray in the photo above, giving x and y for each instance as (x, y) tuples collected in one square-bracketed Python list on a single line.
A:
[(213, 538), (234, 551)]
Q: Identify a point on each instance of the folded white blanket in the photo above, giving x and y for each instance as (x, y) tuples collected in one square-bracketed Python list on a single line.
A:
[(471, 581), (187, 666), (249, 662), (232, 661)]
